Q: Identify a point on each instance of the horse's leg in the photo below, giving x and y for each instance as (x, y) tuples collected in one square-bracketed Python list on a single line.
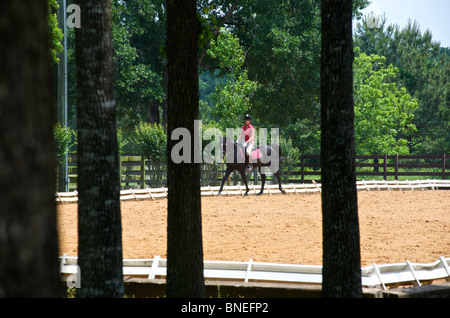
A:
[(277, 174), (263, 181), (227, 173), (244, 178)]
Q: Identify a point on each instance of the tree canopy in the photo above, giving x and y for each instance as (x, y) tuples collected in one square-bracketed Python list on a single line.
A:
[(383, 108), (263, 57), (424, 70)]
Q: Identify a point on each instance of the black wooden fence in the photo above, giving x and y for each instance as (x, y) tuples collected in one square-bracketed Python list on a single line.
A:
[(139, 173), (385, 167)]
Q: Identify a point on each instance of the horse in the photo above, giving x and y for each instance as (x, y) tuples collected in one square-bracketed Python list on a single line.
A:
[(238, 163)]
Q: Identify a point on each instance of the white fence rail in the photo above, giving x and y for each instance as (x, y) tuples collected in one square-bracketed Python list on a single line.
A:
[(373, 276), (308, 188)]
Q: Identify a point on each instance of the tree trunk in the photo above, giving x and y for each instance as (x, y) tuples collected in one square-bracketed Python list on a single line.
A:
[(341, 254), (99, 219), (28, 236), (184, 245), (153, 112), (164, 110)]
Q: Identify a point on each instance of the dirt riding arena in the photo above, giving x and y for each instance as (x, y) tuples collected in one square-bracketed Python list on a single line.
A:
[(394, 226)]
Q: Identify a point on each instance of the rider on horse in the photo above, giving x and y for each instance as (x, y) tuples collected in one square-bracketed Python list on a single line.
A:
[(248, 133)]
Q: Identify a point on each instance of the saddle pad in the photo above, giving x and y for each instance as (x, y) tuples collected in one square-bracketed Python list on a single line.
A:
[(256, 154)]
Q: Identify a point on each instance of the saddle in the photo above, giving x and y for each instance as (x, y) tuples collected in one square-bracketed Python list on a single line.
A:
[(255, 153)]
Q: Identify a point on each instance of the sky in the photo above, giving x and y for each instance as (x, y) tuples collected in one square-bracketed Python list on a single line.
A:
[(430, 14)]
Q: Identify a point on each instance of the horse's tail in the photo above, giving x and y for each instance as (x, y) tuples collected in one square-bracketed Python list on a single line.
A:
[(280, 156)]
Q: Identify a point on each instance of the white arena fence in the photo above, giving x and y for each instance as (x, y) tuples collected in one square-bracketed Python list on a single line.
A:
[(373, 276), (271, 189)]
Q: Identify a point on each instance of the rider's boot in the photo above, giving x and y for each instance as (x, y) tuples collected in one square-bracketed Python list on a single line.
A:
[(248, 166)]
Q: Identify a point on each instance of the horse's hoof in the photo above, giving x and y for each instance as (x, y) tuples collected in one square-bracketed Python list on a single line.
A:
[(219, 194), (282, 191), (245, 194), (259, 193)]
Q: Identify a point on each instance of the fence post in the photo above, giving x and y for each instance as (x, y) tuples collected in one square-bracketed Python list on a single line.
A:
[(385, 167), (302, 169), (396, 167), (143, 172), (443, 166), (120, 170)]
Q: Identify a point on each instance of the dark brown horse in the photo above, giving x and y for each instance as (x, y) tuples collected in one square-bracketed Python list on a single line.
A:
[(261, 158)]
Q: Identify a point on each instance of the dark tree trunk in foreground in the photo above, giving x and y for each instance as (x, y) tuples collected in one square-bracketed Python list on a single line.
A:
[(28, 238), (99, 220), (341, 253), (184, 244)]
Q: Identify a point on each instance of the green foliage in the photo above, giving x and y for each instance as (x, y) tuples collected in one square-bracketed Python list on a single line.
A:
[(304, 135), (138, 33), (383, 109), (424, 70), (56, 34), (206, 22), (121, 141), (232, 100), (151, 141), (358, 6), (65, 138), (266, 61), (291, 156), (282, 44), (228, 52), (211, 131), (207, 86), (232, 96), (133, 77)]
